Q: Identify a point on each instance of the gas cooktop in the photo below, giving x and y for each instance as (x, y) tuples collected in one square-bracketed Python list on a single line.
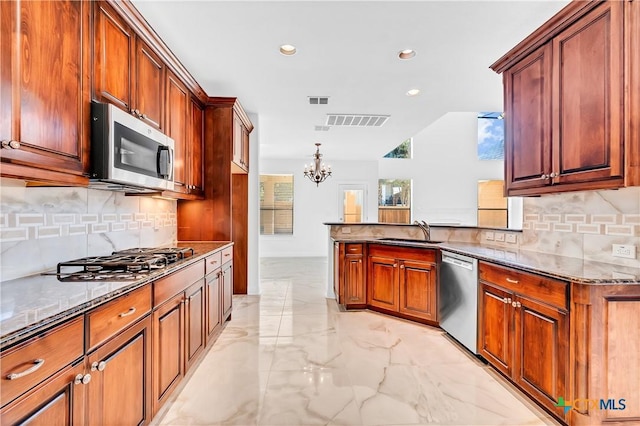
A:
[(123, 265)]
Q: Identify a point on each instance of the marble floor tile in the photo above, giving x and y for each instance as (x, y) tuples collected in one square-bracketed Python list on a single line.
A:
[(290, 357)]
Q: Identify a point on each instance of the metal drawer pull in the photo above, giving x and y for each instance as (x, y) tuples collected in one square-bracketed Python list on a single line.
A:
[(213, 262), (506, 300), (11, 144), (37, 363), (512, 281), (401, 266), (131, 311), (227, 254)]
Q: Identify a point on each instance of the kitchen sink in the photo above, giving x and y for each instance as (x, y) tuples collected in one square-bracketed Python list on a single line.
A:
[(407, 240)]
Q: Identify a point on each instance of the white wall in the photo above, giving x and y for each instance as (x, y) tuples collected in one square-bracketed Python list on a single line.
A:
[(445, 170), (312, 206)]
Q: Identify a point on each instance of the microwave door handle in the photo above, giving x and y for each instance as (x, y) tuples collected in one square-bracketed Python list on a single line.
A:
[(164, 162)]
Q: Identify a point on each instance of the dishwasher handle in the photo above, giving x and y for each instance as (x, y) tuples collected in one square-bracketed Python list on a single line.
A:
[(457, 262)]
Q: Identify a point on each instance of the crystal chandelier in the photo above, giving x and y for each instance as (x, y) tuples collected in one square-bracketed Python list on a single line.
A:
[(317, 172)]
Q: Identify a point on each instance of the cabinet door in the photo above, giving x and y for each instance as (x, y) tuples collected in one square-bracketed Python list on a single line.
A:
[(168, 349), (113, 57), (418, 289), (57, 401), (194, 322), (528, 121), (245, 148), (494, 323), (240, 145), (149, 85), (227, 290), (44, 87), (177, 104), (541, 352), (354, 281), (588, 98), (214, 315), (383, 283), (196, 158), (337, 273), (119, 391)]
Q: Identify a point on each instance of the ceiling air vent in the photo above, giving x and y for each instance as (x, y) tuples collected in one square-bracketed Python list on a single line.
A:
[(318, 100), (322, 128), (356, 120)]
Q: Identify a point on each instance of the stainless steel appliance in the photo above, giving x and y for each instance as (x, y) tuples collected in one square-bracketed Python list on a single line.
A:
[(458, 302), (128, 154), (124, 265)]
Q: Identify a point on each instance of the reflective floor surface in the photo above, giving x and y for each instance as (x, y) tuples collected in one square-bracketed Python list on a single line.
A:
[(290, 357)]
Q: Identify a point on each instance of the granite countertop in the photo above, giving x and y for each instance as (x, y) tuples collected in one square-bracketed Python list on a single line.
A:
[(32, 303), (550, 265)]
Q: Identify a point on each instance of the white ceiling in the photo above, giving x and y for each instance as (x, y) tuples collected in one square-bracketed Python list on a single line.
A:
[(346, 50)]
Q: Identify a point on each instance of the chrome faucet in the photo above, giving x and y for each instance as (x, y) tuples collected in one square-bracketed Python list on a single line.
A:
[(424, 226)]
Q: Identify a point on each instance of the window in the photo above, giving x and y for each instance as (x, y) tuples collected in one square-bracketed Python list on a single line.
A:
[(394, 201), (490, 136), (276, 204), (401, 151), (492, 205)]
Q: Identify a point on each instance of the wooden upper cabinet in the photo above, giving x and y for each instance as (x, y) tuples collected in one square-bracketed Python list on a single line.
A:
[(196, 153), (588, 98), (114, 43), (127, 72), (149, 85), (528, 120), (44, 73), (240, 146), (177, 111), (565, 103)]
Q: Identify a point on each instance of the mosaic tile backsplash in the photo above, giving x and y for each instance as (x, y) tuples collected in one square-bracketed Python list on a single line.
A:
[(41, 226)]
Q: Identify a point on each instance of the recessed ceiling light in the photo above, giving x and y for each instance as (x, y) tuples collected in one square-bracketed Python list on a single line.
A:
[(288, 49), (406, 54), (413, 92)]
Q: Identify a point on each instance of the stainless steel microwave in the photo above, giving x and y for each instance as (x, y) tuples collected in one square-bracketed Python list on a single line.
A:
[(128, 154)]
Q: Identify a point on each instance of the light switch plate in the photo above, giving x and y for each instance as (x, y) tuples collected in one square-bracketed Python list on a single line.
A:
[(499, 236), (488, 236)]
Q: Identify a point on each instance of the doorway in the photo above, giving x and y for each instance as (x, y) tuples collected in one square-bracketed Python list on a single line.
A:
[(352, 202)]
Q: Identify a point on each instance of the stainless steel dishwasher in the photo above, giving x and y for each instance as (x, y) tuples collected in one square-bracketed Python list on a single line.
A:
[(458, 302)]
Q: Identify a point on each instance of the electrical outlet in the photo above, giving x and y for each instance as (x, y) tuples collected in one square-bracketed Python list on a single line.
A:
[(346, 230), (623, 250), (488, 236), (499, 236), (510, 238)]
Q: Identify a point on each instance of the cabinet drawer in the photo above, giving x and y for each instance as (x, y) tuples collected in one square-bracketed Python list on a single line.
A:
[(397, 252), (108, 320), (227, 254), (167, 287), (213, 262), (353, 248), (546, 290), (43, 356)]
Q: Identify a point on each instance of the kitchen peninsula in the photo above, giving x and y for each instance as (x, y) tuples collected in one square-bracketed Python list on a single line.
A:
[(552, 325)]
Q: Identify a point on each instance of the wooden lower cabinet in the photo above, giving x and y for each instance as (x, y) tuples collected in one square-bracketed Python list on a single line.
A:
[(168, 349), (350, 275), (227, 290), (213, 289), (59, 401), (194, 322), (119, 392), (525, 338), (403, 280)]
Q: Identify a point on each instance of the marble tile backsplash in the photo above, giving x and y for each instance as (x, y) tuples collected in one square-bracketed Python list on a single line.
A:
[(583, 224), (41, 226)]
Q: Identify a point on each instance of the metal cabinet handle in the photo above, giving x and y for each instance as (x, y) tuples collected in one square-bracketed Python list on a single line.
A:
[(554, 174), (213, 262), (359, 260), (99, 366), (513, 304), (227, 254), (143, 116), (512, 281), (131, 311), (401, 266), (37, 363), (506, 300), (395, 265), (544, 176), (11, 144), (84, 379)]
